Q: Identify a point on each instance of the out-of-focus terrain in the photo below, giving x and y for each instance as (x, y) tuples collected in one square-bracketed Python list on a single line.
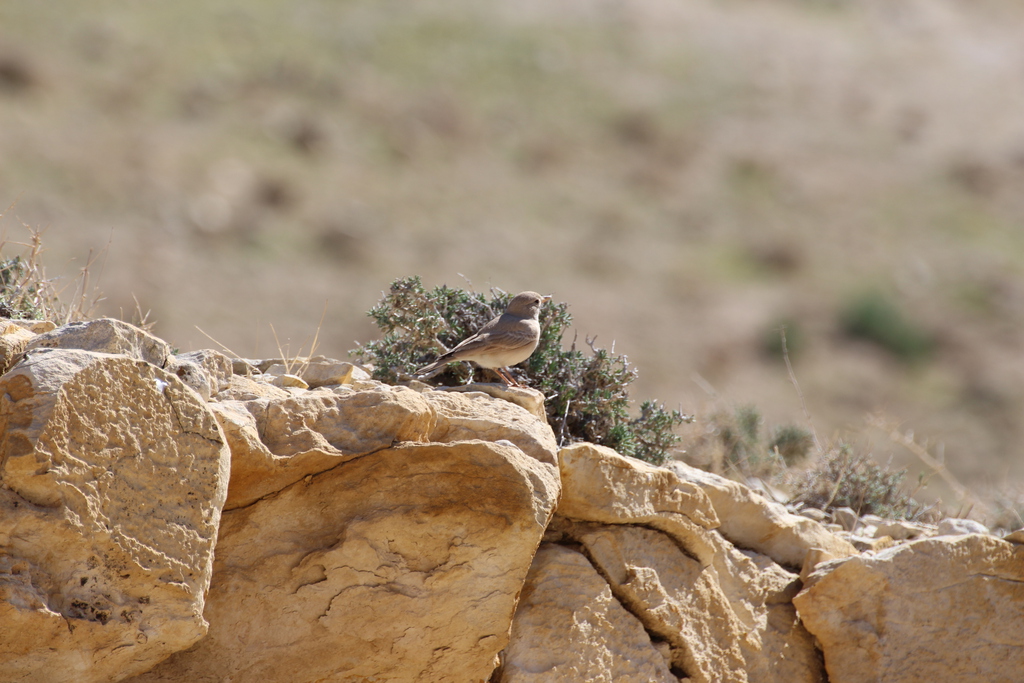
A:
[(688, 175)]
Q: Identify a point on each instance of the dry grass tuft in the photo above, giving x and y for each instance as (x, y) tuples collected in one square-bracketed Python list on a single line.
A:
[(26, 293)]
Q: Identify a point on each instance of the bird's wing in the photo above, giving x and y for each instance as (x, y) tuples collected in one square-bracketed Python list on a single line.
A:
[(507, 339)]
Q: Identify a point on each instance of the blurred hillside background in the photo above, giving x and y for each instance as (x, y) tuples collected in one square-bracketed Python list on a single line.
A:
[(688, 175)]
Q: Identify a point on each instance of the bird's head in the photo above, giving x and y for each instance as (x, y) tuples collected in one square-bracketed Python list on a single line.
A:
[(526, 304)]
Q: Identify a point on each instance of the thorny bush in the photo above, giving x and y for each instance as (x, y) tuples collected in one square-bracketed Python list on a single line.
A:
[(586, 395)]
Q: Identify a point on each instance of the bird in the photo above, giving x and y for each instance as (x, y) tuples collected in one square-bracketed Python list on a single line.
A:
[(506, 340)]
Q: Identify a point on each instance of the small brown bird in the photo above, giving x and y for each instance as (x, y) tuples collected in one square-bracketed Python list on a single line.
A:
[(507, 340)]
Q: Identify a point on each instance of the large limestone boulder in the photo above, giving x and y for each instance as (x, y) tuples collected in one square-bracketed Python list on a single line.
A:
[(750, 520), (105, 335), (280, 438), (113, 477), (276, 442), (949, 608), (569, 627), (724, 614), (724, 623), (401, 565), (15, 336), (599, 485), (480, 416)]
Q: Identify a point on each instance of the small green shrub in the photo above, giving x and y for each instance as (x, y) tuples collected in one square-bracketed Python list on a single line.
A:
[(26, 293), (872, 316), (22, 295), (792, 443), (842, 478), (734, 443), (742, 448), (587, 396)]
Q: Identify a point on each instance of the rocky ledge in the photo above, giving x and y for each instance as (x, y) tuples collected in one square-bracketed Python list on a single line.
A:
[(198, 518)]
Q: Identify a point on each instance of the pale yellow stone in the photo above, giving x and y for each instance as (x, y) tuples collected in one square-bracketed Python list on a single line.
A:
[(948, 608), (106, 335), (479, 416), (113, 478), (569, 627), (750, 520), (403, 565)]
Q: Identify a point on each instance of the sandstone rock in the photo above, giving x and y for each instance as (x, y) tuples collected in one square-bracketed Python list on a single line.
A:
[(751, 521), (105, 335), (951, 526), (599, 485), (404, 565), (318, 371), (113, 477), (244, 388), (674, 598), (288, 380), (217, 366), (282, 440), (278, 441), (530, 399), (846, 518), (725, 613), (937, 609), (813, 513), (191, 375), (866, 543), (478, 416), (243, 366), (13, 340), (36, 326), (720, 628), (569, 627), (900, 530), (1015, 536)]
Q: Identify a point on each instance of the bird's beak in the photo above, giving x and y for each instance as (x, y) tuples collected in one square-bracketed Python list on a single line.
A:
[(545, 298)]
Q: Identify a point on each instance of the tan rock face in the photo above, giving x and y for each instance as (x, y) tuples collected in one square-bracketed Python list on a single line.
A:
[(462, 416), (278, 440), (114, 475), (599, 485), (316, 372), (106, 335), (749, 520), (524, 397), (939, 609), (402, 565), (569, 627), (674, 598), (725, 614), (14, 337)]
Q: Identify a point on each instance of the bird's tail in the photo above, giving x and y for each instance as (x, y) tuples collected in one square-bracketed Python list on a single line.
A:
[(440, 362)]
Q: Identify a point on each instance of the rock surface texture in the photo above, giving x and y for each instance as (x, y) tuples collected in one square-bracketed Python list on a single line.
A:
[(939, 609), (114, 475), (569, 627), (717, 614), (195, 518), (400, 566)]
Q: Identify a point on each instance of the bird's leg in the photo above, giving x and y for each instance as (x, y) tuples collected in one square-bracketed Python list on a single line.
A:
[(507, 376)]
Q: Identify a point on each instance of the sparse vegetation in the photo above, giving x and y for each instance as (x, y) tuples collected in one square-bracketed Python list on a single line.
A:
[(587, 395), (734, 443), (26, 293), (874, 317), (792, 443), (843, 478)]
